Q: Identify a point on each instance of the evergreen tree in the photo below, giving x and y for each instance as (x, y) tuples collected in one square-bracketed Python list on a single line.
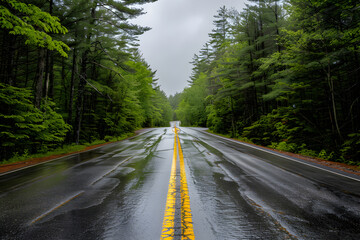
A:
[(82, 66), (267, 74)]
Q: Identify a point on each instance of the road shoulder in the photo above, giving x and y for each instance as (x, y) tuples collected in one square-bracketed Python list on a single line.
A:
[(5, 168), (334, 165)]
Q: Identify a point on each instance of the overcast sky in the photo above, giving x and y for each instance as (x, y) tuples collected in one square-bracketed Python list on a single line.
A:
[(179, 30)]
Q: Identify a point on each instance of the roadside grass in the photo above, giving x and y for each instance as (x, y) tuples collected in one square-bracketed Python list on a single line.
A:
[(65, 149)]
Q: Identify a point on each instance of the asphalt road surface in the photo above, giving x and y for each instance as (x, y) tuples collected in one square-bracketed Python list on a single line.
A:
[(179, 184)]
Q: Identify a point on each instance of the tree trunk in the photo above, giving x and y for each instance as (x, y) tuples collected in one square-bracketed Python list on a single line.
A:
[(332, 97), (80, 98), (39, 78), (277, 25), (233, 125), (82, 83), (15, 64), (64, 89), (50, 65), (27, 66), (355, 111), (254, 92), (3, 58), (51, 76), (9, 59), (47, 73), (72, 87)]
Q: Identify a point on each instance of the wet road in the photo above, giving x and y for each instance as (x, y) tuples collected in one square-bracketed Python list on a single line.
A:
[(121, 191)]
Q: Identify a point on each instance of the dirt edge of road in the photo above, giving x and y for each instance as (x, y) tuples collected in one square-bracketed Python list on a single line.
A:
[(33, 161)]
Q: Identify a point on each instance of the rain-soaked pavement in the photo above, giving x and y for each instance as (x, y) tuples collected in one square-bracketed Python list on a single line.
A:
[(119, 191)]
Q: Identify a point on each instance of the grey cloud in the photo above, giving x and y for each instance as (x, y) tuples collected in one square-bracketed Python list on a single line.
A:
[(179, 30)]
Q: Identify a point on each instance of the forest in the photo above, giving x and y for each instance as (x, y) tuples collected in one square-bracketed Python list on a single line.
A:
[(71, 73), (281, 74)]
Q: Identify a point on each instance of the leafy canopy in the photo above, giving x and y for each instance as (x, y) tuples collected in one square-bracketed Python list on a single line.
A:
[(34, 24)]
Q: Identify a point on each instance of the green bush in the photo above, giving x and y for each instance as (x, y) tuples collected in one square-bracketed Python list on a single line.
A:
[(284, 146), (350, 150), (323, 154), (260, 131), (307, 152), (23, 127), (281, 125)]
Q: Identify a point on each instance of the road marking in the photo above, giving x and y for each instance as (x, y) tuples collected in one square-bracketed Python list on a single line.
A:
[(169, 216), (57, 207), (187, 229)]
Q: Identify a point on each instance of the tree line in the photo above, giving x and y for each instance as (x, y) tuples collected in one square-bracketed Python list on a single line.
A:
[(283, 74), (71, 72)]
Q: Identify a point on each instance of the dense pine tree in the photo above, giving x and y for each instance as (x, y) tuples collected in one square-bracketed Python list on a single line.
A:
[(75, 62), (290, 83)]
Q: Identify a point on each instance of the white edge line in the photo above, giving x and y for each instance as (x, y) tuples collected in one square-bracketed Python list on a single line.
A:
[(281, 155)]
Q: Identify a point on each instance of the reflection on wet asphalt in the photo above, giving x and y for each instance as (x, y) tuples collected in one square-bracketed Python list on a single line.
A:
[(119, 191)]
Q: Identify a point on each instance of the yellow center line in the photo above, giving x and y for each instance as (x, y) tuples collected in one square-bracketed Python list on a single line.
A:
[(187, 230), (169, 216)]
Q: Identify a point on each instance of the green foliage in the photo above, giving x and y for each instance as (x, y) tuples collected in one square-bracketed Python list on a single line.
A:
[(25, 127), (54, 127), (284, 76), (351, 149), (260, 132), (163, 108), (215, 120), (285, 146), (32, 23), (17, 158), (282, 126), (327, 156), (191, 110), (306, 152), (174, 103), (104, 90), (20, 120), (175, 100)]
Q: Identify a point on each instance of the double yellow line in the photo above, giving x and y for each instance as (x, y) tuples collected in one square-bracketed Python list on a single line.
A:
[(187, 230)]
